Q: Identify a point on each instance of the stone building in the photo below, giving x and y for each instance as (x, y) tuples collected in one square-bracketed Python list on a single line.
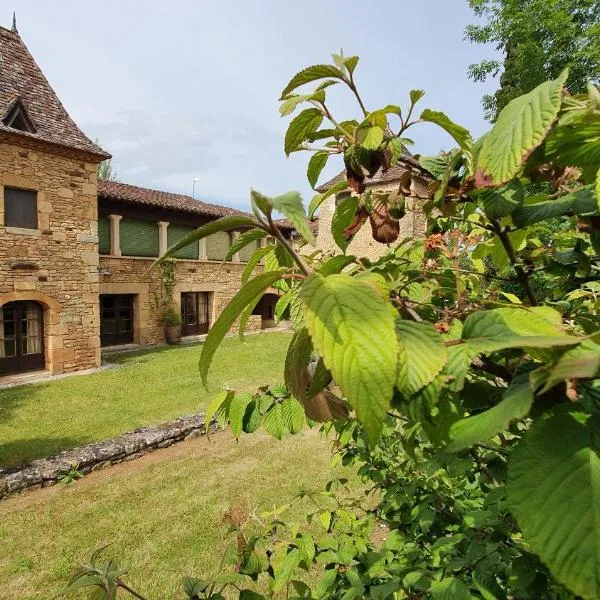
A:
[(405, 174), (74, 250)]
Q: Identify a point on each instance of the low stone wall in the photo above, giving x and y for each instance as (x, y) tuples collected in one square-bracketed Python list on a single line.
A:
[(47, 471)]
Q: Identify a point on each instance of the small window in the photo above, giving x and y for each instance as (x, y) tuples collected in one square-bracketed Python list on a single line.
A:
[(17, 118), (341, 196), (20, 208)]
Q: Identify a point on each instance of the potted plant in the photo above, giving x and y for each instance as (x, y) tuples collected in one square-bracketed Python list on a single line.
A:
[(172, 321)]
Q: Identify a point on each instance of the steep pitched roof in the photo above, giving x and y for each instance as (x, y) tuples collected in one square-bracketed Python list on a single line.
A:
[(405, 163), (21, 80), (132, 194)]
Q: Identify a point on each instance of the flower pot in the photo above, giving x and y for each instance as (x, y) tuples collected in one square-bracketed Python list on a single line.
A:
[(173, 334)]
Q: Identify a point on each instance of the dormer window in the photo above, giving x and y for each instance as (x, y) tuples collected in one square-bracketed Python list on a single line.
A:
[(17, 118)]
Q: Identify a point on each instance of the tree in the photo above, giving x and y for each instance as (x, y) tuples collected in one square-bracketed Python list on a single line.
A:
[(105, 171), (538, 38), (471, 408)]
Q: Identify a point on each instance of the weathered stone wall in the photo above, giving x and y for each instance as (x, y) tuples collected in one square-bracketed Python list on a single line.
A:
[(48, 471), (413, 225), (61, 254), (126, 275)]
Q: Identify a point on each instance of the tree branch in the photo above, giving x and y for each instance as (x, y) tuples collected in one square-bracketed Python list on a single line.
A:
[(522, 275)]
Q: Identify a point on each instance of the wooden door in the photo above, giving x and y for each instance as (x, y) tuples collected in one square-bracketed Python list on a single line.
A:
[(194, 313), (21, 337), (116, 319)]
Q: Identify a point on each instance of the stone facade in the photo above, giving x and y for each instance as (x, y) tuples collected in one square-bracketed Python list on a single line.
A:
[(128, 275), (55, 265), (413, 225)]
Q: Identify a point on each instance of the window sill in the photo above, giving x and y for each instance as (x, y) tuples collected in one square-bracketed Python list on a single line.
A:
[(24, 231), (182, 260)]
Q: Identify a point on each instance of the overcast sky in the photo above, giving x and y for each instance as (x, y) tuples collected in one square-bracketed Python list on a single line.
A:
[(183, 89)]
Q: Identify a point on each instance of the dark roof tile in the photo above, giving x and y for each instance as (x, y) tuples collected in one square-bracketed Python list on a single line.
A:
[(21, 79), (124, 192)]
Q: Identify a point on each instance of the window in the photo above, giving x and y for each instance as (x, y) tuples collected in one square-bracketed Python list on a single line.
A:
[(20, 208), (194, 313), (247, 251), (17, 118)]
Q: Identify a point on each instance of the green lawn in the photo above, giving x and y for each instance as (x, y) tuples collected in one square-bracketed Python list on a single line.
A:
[(162, 514), (146, 388)]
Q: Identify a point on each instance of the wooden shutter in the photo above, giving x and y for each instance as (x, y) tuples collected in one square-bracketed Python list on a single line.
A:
[(217, 245), (20, 208), (138, 238), (247, 251), (103, 235), (174, 234)]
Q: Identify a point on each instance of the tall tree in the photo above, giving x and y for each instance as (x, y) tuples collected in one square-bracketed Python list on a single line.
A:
[(538, 39)]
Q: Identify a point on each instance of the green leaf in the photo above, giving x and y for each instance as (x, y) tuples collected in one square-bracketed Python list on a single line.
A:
[(519, 327), (503, 201), (300, 128), (289, 105), (287, 569), (352, 328), (252, 417), (554, 492), (218, 401), (580, 362), (315, 165), (245, 238), (520, 128), (318, 199), (336, 264), (515, 404), (228, 223), (250, 595), (460, 135), (370, 138), (256, 257), (343, 216), (580, 202), (450, 588), (194, 587), (282, 304), (291, 206), (416, 95), (309, 74), (273, 422), (237, 410), (292, 414), (575, 141), (296, 360), (597, 190), (437, 165), (306, 545), (421, 355), (230, 313)]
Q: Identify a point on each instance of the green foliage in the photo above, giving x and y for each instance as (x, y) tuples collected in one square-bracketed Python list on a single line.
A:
[(459, 373), (520, 129), (352, 328), (564, 33)]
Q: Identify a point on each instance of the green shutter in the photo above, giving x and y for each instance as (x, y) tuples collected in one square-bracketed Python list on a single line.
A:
[(247, 251), (174, 234), (103, 235), (217, 245), (138, 238)]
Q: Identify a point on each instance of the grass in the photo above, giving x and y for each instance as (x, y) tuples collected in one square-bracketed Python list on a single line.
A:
[(147, 387), (162, 513)]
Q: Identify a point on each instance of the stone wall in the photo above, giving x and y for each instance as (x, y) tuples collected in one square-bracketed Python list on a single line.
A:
[(57, 263), (413, 225), (129, 275), (48, 471)]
